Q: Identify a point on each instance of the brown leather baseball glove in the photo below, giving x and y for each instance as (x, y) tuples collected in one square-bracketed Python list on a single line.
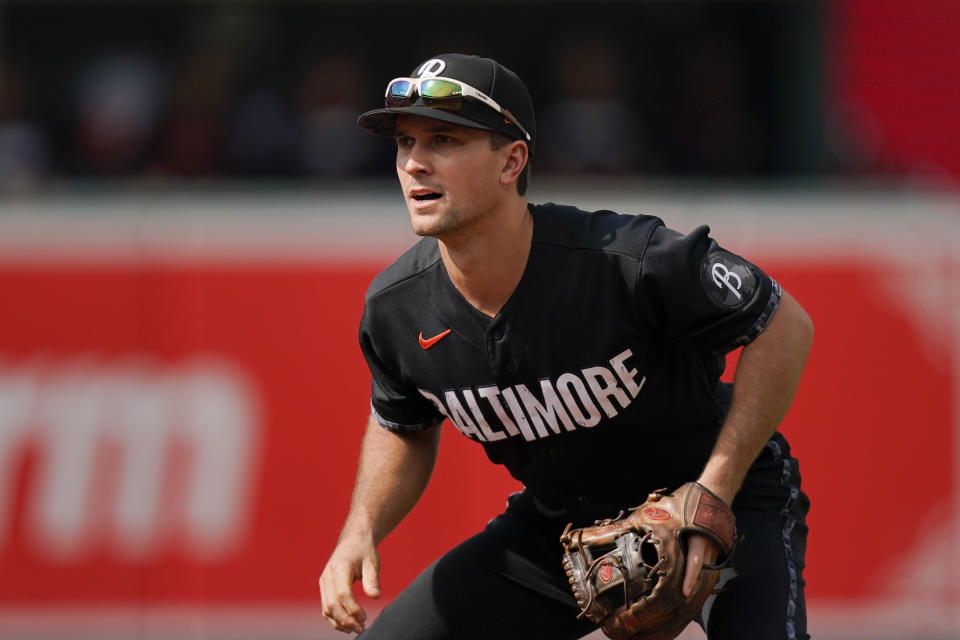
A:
[(627, 572)]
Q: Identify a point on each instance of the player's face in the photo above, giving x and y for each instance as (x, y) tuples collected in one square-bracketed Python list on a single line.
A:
[(449, 175)]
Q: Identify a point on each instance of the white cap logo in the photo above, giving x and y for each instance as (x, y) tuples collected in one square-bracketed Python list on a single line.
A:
[(431, 68)]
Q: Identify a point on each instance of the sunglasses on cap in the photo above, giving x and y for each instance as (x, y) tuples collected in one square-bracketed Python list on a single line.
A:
[(441, 93)]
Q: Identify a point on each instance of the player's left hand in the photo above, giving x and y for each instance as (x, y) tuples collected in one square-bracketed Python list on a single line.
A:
[(700, 551)]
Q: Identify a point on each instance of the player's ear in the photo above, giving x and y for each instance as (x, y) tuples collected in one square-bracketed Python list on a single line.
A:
[(516, 159)]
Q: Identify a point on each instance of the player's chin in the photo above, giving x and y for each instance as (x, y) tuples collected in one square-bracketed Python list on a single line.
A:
[(424, 228), (426, 220)]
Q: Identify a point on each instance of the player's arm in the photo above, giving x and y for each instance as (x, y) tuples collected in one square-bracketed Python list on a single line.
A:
[(393, 472), (766, 380)]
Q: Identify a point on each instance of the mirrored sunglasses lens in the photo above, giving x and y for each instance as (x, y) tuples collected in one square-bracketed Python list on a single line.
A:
[(439, 89), (399, 93), (441, 94)]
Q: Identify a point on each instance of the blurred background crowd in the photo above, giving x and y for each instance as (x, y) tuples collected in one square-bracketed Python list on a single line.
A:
[(271, 90)]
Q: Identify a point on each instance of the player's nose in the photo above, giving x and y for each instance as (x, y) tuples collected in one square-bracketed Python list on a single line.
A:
[(416, 160)]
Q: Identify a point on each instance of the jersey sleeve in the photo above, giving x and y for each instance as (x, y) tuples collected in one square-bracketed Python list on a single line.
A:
[(394, 402), (693, 290)]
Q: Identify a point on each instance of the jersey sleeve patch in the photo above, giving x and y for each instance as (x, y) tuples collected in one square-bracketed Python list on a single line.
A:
[(727, 279)]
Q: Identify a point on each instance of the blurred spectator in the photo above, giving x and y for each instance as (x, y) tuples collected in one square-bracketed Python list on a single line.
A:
[(23, 146), (853, 140), (262, 135), (332, 94), (191, 138), (590, 128), (711, 129), (119, 98)]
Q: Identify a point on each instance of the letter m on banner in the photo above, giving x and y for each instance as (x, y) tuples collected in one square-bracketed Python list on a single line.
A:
[(129, 454)]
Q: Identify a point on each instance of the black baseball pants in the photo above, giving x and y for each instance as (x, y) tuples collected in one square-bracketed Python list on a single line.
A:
[(507, 582)]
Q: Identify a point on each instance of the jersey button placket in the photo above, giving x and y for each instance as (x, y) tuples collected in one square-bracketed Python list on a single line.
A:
[(499, 355)]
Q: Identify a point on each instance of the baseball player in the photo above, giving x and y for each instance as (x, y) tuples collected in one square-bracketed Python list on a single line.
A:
[(583, 351)]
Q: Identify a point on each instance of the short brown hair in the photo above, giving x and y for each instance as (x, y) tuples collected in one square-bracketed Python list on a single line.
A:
[(498, 141)]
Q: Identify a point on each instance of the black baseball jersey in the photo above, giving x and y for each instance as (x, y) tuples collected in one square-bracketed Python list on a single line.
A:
[(609, 351)]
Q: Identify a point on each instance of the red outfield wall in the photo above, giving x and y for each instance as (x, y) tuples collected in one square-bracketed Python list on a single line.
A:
[(181, 426)]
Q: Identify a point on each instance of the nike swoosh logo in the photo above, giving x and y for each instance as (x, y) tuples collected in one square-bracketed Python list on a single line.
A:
[(429, 342)]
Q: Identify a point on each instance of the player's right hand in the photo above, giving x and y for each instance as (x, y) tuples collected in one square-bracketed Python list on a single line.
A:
[(352, 560)]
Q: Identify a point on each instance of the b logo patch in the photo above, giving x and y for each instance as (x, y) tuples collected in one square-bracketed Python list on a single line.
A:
[(727, 279)]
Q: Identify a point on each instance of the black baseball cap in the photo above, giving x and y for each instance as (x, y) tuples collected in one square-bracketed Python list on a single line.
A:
[(484, 74)]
